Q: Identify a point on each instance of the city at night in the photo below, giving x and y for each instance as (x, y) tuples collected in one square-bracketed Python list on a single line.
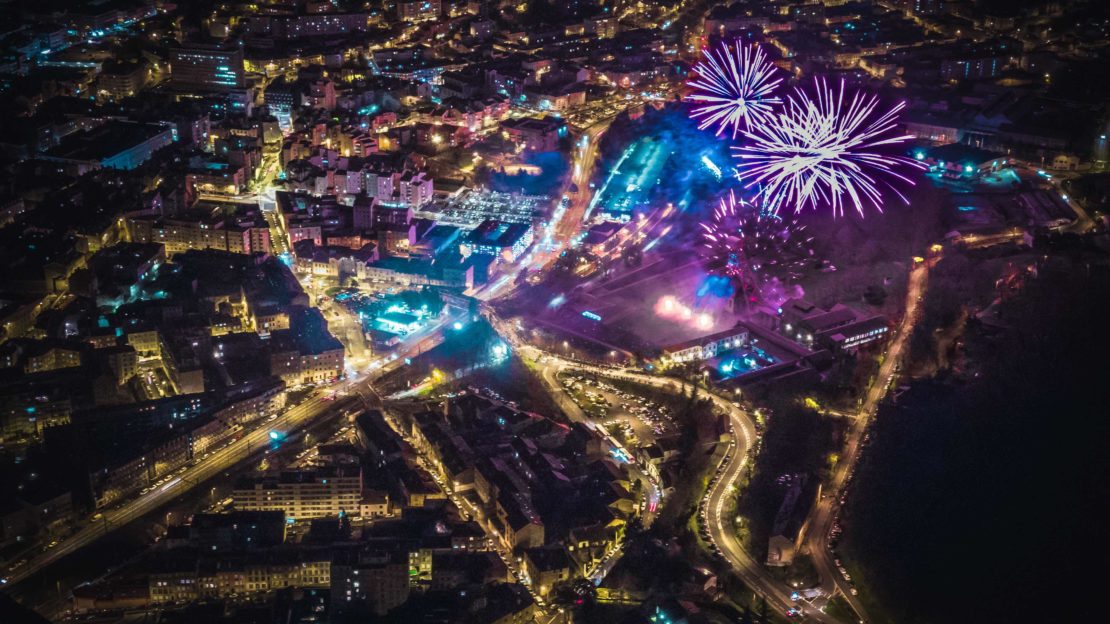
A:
[(542, 312)]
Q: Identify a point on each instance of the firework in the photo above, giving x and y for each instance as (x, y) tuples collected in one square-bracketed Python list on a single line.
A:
[(828, 147), (734, 88), (748, 244)]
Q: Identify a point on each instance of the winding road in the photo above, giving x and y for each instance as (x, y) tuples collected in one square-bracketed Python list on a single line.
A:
[(713, 505)]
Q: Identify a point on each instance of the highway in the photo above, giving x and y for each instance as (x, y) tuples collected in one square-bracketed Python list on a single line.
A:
[(721, 528), (585, 157)]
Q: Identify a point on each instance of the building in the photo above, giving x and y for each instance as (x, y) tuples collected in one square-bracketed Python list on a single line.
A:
[(369, 581), (34, 513), (206, 67), (410, 272), (502, 603), (238, 530), (122, 360), (242, 230), (121, 80), (979, 60), (547, 566), (306, 25), (217, 178), (113, 145), (520, 526), (415, 189), (607, 236), (958, 161), (320, 94), (708, 347), (302, 495), (187, 577), (397, 189), (306, 352), (298, 362), (537, 135), (506, 241), (48, 357), (418, 10), (838, 329)]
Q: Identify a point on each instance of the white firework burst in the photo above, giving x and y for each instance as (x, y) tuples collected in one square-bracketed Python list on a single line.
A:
[(828, 147), (734, 88)]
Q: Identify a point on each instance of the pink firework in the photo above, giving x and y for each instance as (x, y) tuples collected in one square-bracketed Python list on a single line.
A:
[(826, 147), (734, 88)]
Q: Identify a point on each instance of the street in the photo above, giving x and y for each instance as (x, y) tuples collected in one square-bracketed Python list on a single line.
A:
[(824, 513), (292, 419)]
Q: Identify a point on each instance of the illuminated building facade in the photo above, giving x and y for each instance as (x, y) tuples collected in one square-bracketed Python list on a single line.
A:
[(206, 67), (304, 494)]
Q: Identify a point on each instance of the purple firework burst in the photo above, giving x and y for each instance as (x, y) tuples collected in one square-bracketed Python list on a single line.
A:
[(744, 243)]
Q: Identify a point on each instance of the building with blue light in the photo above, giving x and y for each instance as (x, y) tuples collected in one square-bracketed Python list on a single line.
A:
[(960, 161), (114, 145)]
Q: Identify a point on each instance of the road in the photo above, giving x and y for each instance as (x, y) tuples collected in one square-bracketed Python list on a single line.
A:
[(220, 460), (721, 528), (291, 419), (585, 158), (721, 531), (824, 513), (713, 506), (564, 224)]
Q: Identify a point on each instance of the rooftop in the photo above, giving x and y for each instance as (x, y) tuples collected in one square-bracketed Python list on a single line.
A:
[(105, 141)]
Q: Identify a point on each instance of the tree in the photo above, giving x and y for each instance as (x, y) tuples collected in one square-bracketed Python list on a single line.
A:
[(874, 295)]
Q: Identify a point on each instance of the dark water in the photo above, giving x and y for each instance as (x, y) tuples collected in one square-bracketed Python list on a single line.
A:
[(981, 499)]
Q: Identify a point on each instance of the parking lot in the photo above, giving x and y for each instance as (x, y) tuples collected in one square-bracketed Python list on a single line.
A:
[(634, 420)]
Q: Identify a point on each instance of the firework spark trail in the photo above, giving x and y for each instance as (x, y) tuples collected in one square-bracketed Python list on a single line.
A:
[(745, 243), (826, 147), (734, 88)]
